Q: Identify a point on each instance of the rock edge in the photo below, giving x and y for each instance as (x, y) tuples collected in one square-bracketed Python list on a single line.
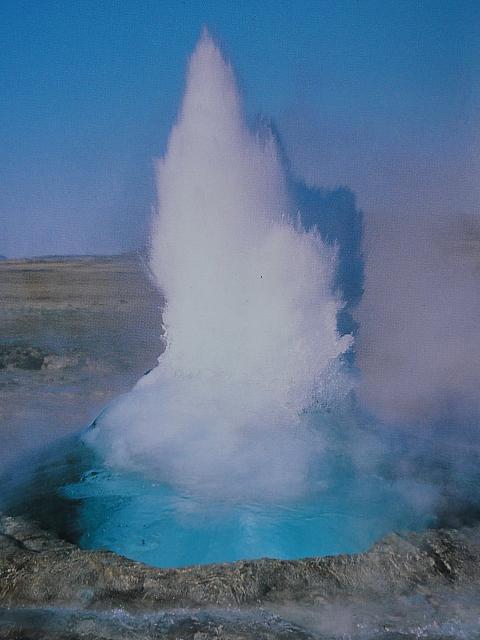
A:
[(39, 569)]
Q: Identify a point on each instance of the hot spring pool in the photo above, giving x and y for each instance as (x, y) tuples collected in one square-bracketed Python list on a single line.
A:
[(73, 492), (159, 526)]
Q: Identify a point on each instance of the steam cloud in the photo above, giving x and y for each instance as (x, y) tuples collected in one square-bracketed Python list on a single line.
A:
[(418, 345), (252, 339)]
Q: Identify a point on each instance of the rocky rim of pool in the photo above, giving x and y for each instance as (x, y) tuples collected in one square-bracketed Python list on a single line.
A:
[(52, 587)]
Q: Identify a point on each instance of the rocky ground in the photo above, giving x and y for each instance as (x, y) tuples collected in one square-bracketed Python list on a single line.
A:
[(73, 334), (415, 586)]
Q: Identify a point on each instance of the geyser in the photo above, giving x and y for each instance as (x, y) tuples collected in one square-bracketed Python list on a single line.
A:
[(245, 440), (250, 320)]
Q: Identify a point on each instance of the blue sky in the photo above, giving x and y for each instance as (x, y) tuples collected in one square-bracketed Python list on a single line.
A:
[(380, 96)]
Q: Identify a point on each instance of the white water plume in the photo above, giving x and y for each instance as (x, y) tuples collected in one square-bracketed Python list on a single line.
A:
[(251, 328)]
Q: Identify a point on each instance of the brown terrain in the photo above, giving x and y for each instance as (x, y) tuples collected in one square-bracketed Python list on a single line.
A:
[(73, 334)]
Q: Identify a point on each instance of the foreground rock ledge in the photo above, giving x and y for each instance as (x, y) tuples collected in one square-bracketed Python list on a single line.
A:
[(38, 569)]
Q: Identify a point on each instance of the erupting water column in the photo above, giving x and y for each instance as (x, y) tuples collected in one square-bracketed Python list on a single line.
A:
[(250, 317), (234, 446)]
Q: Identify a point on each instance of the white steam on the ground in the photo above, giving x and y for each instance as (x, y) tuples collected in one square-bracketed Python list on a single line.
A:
[(252, 338)]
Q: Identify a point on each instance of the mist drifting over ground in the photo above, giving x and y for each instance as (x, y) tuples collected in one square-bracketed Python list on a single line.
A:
[(251, 320), (418, 346)]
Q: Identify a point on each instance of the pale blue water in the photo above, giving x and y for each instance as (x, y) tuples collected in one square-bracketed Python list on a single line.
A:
[(368, 482), (158, 525)]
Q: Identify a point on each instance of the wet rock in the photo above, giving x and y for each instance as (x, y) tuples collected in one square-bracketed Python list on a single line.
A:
[(29, 536), (40, 624), (36, 569), (407, 586), (32, 358), (22, 357)]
